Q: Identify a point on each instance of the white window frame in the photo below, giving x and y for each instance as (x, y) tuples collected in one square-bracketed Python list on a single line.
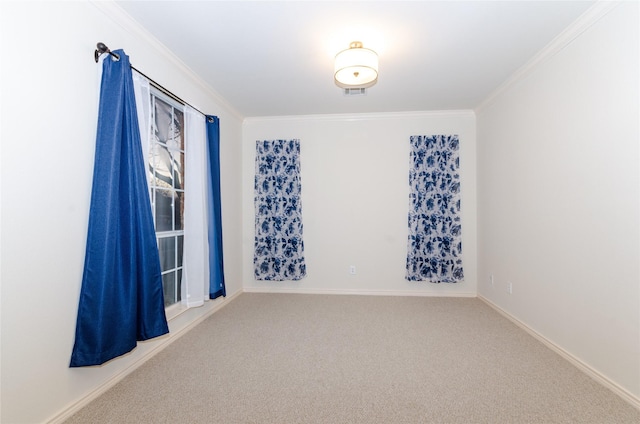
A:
[(154, 188)]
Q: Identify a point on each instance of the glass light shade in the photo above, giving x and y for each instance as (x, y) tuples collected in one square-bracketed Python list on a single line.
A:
[(356, 67)]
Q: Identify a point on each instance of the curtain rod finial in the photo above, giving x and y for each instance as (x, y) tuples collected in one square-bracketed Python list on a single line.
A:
[(102, 48)]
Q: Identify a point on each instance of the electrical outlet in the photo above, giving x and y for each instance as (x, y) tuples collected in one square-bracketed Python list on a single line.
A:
[(491, 280), (509, 287), (352, 269)]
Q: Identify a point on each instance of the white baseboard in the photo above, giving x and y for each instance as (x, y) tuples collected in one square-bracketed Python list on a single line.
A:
[(67, 412), (357, 292), (587, 369)]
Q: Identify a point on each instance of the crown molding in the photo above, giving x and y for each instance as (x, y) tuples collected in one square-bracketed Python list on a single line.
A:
[(566, 37), (374, 116), (117, 14)]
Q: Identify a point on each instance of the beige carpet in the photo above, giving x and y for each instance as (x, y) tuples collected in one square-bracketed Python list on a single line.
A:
[(274, 358)]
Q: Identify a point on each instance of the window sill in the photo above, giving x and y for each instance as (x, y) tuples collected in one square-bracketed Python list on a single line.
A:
[(174, 310)]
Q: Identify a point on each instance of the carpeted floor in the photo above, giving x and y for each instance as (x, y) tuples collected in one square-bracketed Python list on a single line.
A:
[(277, 358)]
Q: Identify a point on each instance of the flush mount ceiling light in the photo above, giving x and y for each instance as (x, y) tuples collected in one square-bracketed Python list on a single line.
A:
[(356, 67)]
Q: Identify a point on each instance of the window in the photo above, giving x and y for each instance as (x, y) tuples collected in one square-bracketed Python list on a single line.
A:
[(166, 186)]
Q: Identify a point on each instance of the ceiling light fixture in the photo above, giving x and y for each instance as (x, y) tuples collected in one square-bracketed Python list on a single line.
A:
[(356, 67)]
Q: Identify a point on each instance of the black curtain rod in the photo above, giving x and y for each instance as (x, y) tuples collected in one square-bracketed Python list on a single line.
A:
[(101, 49)]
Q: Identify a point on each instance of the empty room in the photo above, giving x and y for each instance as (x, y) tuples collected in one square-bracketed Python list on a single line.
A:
[(320, 211)]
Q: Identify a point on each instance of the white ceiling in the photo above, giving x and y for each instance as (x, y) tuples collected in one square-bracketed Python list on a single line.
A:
[(272, 58)]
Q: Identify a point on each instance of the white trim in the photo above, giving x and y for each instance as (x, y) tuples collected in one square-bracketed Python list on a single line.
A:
[(586, 368), (363, 116), (163, 342), (358, 292), (174, 310), (116, 13), (579, 26)]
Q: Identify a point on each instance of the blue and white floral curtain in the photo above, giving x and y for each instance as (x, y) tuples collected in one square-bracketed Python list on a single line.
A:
[(434, 249), (279, 250)]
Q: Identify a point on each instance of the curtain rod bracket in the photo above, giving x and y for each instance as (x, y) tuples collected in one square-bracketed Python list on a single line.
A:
[(101, 48)]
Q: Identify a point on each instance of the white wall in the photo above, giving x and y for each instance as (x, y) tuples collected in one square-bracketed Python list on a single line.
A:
[(48, 125), (558, 198), (557, 212), (355, 199)]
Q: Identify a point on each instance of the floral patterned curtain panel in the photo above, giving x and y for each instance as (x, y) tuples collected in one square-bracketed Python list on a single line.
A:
[(434, 249), (279, 250)]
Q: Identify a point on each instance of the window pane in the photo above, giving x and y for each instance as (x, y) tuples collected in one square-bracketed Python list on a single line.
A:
[(150, 167), (163, 121), (169, 287), (164, 213), (180, 243), (177, 133), (179, 291), (178, 166), (167, 249), (163, 170), (179, 209)]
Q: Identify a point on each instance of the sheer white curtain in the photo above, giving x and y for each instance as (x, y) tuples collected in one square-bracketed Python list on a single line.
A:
[(142, 91), (195, 274)]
